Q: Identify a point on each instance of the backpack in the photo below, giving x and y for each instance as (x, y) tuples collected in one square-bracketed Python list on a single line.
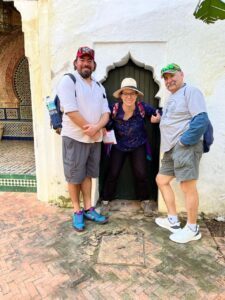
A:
[(208, 138), (56, 119)]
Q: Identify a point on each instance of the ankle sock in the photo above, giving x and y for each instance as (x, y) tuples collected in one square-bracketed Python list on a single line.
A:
[(78, 212), (89, 209), (173, 219), (193, 227)]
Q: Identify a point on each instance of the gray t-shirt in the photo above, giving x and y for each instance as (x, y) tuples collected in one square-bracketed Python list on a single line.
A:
[(178, 111)]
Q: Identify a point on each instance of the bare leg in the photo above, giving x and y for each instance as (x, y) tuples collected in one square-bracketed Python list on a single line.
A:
[(191, 200), (74, 191), (86, 191), (163, 182)]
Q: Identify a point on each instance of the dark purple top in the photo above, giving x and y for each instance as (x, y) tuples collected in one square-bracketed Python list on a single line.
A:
[(130, 133)]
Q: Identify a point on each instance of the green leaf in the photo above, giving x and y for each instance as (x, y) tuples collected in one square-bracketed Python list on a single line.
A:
[(210, 11)]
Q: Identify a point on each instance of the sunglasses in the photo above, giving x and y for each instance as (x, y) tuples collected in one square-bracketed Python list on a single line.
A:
[(171, 67), (86, 50), (129, 94)]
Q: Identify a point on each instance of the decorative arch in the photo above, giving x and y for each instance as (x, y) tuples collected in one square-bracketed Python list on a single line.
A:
[(127, 63), (21, 81), (14, 53), (124, 60), (15, 94)]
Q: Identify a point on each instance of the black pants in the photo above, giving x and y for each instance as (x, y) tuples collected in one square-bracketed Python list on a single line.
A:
[(138, 163)]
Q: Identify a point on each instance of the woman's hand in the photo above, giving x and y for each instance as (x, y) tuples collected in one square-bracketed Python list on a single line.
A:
[(104, 131), (155, 119)]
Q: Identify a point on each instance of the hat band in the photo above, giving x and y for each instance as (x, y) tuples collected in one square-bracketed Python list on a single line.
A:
[(129, 86)]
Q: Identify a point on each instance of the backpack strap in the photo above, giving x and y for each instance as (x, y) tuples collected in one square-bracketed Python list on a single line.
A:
[(185, 87), (100, 85), (141, 109), (139, 105), (73, 78), (115, 110)]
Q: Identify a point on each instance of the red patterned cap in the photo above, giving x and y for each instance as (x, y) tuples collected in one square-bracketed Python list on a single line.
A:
[(86, 51)]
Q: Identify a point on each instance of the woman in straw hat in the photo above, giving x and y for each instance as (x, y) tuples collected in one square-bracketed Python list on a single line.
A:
[(127, 120)]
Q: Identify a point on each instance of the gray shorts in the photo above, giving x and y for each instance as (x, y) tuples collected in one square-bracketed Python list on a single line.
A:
[(182, 162), (80, 160)]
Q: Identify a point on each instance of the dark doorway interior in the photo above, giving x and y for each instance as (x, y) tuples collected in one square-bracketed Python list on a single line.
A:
[(146, 83)]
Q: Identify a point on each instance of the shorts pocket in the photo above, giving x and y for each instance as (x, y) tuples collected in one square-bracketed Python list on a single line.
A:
[(182, 156), (198, 150), (69, 162)]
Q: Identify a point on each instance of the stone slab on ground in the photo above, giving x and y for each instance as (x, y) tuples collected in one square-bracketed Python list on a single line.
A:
[(125, 249)]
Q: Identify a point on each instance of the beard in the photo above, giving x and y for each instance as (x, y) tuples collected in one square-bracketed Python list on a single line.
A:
[(86, 73)]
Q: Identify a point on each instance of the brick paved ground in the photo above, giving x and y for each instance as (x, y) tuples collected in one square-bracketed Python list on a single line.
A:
[(42, 257)]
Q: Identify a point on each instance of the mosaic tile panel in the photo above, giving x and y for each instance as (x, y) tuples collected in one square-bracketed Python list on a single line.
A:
[(21, 82), (2, 114), (18, 129), (25, 113), (11, 114), (18, 183)]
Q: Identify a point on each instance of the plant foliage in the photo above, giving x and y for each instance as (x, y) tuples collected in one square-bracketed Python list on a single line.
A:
[(210, 11)]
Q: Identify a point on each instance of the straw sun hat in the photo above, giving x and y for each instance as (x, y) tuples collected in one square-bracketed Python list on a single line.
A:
[(127, 83)]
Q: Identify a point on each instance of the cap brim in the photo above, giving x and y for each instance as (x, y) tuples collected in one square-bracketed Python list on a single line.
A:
[(85, 54), (170, 72), (117, 93)]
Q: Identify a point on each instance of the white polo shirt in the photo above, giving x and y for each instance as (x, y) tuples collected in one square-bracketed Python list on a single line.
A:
[(89, 101)]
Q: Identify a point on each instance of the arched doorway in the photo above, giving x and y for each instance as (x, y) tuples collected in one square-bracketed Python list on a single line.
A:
[(17, 168), (146, 83)]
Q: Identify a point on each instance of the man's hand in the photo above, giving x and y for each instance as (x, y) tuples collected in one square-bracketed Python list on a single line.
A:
[(156, 119), (90, 129), (96, 136)]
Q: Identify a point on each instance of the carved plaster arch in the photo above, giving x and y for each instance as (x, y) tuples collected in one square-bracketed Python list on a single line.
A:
[(124, 60)]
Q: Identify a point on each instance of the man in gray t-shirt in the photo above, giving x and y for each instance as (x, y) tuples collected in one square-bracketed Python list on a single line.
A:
[(182, 126)]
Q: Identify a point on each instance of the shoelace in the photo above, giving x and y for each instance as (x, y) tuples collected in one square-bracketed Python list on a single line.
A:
[(94, 213)]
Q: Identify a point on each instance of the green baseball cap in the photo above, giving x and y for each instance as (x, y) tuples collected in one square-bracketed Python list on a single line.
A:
[(171, 68)]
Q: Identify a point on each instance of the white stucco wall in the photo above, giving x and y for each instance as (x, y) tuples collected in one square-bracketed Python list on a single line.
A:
[(154, 33)]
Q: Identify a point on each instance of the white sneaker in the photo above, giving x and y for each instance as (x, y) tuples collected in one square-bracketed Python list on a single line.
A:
[(186, 235), (165, 223)]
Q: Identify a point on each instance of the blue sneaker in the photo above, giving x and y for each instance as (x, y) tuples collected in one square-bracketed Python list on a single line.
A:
[(78, 220), (93, 215)]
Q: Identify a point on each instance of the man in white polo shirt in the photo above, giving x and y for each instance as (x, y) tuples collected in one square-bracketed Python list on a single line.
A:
[(86, 112)]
